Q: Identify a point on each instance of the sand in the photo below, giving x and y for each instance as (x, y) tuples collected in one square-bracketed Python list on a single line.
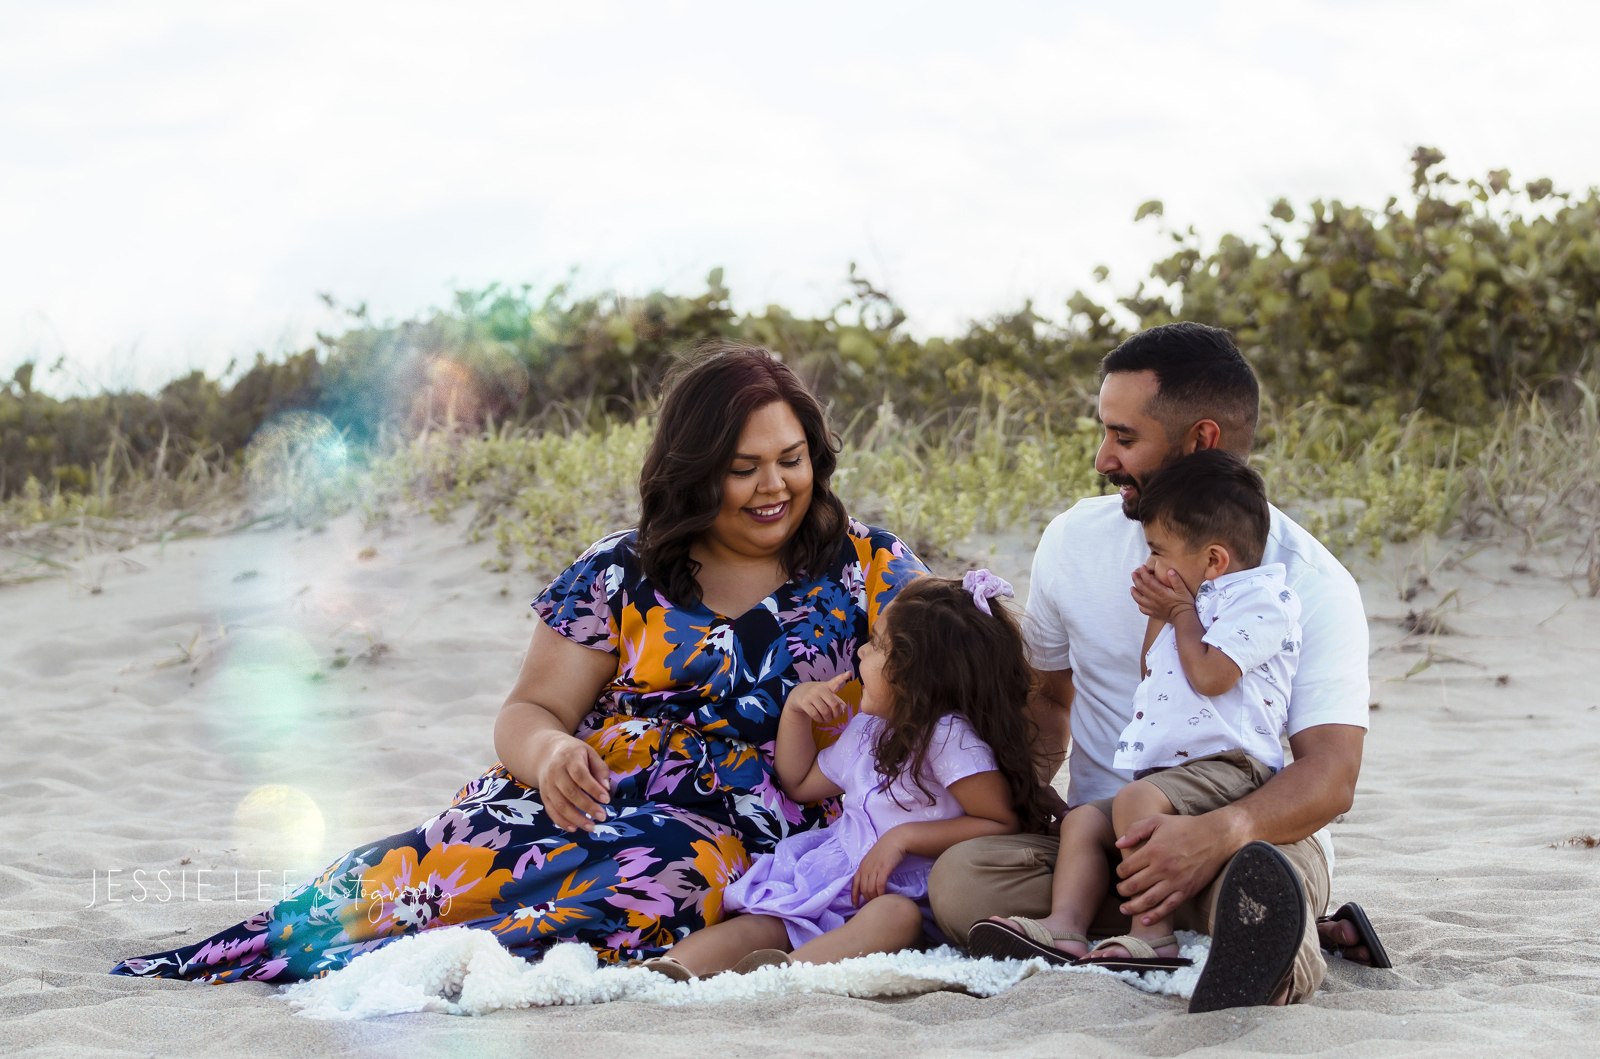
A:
[(127, 741)]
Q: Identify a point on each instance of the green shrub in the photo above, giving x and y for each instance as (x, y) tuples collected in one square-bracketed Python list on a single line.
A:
[(1425, 364)]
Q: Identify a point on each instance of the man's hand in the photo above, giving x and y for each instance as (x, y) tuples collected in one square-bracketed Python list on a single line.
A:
[(1055, 804), (1163, 597), (1179, 857), (876, 867)]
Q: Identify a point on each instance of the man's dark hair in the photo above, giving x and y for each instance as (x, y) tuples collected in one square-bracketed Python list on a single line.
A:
[(1211, 495), (1201, 374)]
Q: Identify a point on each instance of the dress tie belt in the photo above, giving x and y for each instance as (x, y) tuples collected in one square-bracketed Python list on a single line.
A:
[(703, 767)]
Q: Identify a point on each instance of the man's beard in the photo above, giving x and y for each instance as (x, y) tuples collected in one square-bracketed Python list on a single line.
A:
[(1130, 504)]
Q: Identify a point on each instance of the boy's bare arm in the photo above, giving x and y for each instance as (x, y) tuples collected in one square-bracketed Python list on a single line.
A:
[(1210, 672)]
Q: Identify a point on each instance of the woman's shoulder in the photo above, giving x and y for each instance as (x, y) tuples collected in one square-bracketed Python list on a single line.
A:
[(616, 547), (609, 562), (868, 544)]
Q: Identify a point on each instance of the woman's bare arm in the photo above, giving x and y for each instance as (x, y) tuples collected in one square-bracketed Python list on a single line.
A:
[(559, 684)]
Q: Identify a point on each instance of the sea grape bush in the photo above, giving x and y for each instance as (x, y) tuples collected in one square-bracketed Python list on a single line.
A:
[(1410, 356)]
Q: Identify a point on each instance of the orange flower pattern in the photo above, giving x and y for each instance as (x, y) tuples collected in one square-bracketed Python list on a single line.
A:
[(686, 726)]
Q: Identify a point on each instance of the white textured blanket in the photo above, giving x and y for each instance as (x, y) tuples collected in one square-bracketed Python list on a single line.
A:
[(460, 971)]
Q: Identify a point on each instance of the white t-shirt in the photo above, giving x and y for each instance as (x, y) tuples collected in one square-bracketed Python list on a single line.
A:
[(1252, 617), (1081, 616)]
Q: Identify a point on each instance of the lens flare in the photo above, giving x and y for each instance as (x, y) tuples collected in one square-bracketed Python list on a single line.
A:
[(278, 828), (293, 459), (261, 702), (464, 394)]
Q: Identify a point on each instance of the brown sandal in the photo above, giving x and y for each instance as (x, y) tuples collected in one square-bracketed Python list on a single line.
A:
[(763, 958), (1141, 955), (671, 968), (1027, 940)]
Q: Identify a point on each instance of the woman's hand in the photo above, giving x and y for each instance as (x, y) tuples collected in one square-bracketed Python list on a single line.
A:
[(574, 785), (876, 867), (1161, 597), (559, 684), (819, 700)]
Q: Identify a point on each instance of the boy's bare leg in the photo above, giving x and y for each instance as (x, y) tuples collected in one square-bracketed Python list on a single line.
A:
[(884, 924), (718, 947), (1135, 802), (1081, 878)]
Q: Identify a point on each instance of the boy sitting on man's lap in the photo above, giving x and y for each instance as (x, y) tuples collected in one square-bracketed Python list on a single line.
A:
[(1220, 653)]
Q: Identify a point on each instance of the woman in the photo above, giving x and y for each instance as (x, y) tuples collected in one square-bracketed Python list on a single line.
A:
[(635, 776)]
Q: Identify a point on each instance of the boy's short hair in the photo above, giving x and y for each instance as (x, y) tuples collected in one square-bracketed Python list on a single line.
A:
[(1211, 495)]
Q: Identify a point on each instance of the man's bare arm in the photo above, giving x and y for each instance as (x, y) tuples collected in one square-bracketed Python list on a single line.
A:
[(1182, 854), (1050, 709)]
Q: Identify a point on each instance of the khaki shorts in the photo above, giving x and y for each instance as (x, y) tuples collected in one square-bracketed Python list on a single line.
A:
[(1206, 783)]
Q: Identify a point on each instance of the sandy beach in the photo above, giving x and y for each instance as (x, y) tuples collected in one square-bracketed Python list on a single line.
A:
[(251, 705)]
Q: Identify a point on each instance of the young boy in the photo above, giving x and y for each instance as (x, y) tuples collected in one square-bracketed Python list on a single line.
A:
[(1219, 655)]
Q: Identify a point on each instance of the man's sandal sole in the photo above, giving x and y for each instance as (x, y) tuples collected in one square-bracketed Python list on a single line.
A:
[(1259, 927), (1365, 934), (1004, 943)]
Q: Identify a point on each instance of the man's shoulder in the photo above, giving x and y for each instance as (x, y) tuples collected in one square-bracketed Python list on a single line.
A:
[(1309, 567), (1093, 516)]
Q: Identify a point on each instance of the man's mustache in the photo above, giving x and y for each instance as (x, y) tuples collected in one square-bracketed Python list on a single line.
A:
[(1122, 479)]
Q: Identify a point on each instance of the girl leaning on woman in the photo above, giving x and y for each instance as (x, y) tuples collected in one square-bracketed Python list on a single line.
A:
[(702, 695)]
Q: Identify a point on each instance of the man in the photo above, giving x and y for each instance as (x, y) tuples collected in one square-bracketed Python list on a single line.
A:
[(1165, 393)]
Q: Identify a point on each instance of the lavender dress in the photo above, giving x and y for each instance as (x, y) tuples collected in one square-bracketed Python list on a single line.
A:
[(805, 881)]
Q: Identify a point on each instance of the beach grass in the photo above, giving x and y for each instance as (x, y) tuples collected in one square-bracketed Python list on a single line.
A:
[(1359, 479)]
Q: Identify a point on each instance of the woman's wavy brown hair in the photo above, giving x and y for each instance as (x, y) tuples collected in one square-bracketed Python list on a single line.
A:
[(943, 655), (707, 401)]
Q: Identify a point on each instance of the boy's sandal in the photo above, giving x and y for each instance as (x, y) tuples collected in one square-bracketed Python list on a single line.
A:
[(763, 958), (1141, 955), (1027, 940), (671, 968), (1365, 936)]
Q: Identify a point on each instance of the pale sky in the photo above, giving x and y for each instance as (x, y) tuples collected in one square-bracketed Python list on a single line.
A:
[(178, 179)]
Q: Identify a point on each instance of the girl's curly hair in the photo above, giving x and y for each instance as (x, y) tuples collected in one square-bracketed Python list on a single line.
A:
[(943, 655)]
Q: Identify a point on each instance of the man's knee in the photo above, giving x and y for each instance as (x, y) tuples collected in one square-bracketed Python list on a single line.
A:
[(951, 890), (984, 877)]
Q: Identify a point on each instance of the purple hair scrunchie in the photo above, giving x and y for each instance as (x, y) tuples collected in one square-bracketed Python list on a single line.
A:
[(984, 586)]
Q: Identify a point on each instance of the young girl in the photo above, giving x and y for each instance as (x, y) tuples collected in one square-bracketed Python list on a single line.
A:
[(938, 754)]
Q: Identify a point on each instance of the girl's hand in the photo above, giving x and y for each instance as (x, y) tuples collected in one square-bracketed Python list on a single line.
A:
[(574, 785), (819, 700), (1162, 597), (876, 867)]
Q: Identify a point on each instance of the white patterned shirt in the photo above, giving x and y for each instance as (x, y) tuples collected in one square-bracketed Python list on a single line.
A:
[(1252, 617)]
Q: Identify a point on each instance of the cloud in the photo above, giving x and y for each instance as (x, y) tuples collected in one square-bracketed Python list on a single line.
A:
[(180, 178)]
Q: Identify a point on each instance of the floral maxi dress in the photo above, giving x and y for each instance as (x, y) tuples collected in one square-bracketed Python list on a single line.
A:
[(687, 728)]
